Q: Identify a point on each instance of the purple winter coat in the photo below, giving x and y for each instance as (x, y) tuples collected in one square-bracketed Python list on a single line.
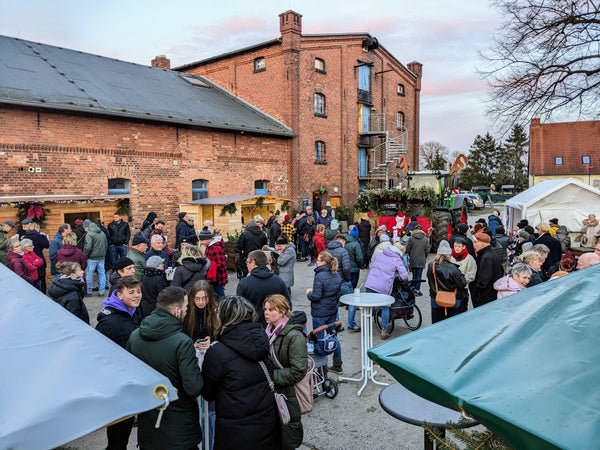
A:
[(383, 270)]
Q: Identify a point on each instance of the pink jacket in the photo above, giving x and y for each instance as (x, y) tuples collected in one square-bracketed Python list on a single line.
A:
[(507, 285)]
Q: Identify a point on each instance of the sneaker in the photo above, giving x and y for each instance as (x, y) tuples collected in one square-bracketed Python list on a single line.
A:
[(311, 264), (354, 327), (385, 334), (334, 369), (418, 294)]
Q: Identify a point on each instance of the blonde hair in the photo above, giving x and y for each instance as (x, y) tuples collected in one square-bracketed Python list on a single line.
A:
[(329, 260), (528, 256), (320, 228), (400, 247), (70, 239), (190, 251), (279, 303)]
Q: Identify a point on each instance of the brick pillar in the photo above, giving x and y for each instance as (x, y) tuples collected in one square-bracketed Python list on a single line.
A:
[(162, 62), (416, 68)]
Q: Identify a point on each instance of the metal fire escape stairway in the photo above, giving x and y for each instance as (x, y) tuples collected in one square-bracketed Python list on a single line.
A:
[(387, 153)]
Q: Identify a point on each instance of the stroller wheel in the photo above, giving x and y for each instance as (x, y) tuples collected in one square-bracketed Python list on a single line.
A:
[(414, 320), (330, 387), (391, 323)]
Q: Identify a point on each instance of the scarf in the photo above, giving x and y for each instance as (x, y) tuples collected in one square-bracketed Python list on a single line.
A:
[(462, 255), (273, 332)]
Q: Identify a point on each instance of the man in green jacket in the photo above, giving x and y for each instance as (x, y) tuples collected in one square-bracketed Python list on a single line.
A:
[(137, 254), (95, 251), (4, 230), (160, 343)]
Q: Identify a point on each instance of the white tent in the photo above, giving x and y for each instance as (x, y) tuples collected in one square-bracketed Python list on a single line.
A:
[(61, 379), (567, 199)]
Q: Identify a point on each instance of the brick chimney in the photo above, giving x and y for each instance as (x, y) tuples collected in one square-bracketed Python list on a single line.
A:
[(290, 26), (162, 62), (416, 68)]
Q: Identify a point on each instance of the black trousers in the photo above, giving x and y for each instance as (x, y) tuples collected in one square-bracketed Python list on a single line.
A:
[(118, 434)]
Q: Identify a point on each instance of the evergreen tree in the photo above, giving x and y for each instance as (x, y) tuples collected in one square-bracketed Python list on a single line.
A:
[(513, 160), (483, 163)]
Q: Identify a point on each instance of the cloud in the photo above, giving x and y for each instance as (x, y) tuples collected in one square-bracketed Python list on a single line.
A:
[(454, 86)]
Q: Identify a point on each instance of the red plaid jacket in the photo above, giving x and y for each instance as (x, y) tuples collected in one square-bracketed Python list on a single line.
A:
[(216, 254)]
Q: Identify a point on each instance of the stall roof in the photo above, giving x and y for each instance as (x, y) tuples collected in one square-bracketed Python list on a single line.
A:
[(61, 379), (227, 199), (526, 366)]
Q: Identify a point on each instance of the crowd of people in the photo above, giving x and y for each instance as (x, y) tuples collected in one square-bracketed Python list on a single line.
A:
[(168, 307)]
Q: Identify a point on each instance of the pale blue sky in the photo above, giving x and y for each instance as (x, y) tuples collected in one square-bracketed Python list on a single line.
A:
[(444, 35)]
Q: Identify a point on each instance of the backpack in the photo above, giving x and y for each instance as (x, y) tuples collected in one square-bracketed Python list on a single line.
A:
[(312, 250)]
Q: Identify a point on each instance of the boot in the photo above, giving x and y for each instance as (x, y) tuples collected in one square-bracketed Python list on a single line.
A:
[(337, 365), (385, 334)]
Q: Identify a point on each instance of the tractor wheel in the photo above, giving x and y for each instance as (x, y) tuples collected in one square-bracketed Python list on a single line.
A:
[(441, 228)]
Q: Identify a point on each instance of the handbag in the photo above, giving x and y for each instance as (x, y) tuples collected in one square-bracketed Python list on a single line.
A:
[(304, 388), (280, 399), (446, 299)]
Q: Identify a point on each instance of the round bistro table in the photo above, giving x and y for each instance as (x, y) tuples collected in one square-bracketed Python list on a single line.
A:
[(366, 301)]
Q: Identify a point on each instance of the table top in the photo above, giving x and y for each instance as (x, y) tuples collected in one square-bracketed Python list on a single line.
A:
[(407, 406), (367, 299)]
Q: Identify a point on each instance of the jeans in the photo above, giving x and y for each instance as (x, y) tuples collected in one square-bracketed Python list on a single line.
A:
[(207, 434), (320, 321), (303, 246), (95, 265), (416, 275), (220, 291), (385, 312), (354, 276), (117, 251)]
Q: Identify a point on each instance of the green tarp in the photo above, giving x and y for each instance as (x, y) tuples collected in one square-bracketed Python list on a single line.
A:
[(526, 366)]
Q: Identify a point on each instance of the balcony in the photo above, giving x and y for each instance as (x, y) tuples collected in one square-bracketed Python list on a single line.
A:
[(372, 124), (364, 96)]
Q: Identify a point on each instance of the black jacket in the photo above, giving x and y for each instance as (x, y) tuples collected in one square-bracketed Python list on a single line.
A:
[(555, 250), (119, 233), (448, 275), (258, 285), (190, 271), (153, 282), (489, 269), (274, 233), (245, 406), (68, 292), (251, 239), (118, 325), (325, 293), (184, 231), (337, 250)]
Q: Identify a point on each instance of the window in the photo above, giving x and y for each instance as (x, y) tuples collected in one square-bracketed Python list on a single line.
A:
[(585, 159), (259, 64), (199, 189), (319, 151), (401, 89), (400, 120), (319, 65), (118, 186), (364, 78), (364, 117), (558, 161), (261, 187), (320, 104), (362, 162)]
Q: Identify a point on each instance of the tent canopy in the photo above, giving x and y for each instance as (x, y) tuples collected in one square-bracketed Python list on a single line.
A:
[(567, 199), (61, 379), (526, 366)]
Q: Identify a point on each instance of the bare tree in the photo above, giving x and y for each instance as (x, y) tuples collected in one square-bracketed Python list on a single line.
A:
[(433, 156), (545, 58)]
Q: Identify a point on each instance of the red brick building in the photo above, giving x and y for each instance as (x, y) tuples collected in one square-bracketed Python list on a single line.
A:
[(80, 133), (560, 150), (353, 106)]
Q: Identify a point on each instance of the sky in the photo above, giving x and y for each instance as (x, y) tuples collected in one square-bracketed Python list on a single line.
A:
[(445, 36)]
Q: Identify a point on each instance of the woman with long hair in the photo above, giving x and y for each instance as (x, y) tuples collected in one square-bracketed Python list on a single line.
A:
[(69, 289), (287, 346), (444, 275), (194, 267), (324, 297), (234, 379)]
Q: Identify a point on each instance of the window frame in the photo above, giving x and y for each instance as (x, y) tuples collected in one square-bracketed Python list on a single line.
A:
[(320, 151), (119, 191), (361, 77), (257, 67), (320, 111), (584, 158), (558, 161), (201, 191), (262, 190), (317, 69), (400, 120), (401, 90)]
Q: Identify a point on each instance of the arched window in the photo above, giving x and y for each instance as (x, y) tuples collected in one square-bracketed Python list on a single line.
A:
[(259, 64), (319, 65), (118, 186), (320, 151), (261, 187), (401, 89), (319, 104), (199, 189), (400, 120)]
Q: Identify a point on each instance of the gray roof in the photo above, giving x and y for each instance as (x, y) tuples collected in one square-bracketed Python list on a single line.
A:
[(227, 199), (44, 76)]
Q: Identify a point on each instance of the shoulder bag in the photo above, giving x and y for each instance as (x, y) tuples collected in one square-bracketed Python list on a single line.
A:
[(445, 299), (280, 399), (305, 387)]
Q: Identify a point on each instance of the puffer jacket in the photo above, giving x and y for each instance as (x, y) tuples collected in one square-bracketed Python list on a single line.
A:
[(379, 248), (95, 243), (493, 222), (355, 253), (245, 406), (18, 266), (449, 278), (71, 253), (290, 349), (40, 242), (160, 343), (68, 292), (33, 263), (155, 280), (417, 249), (325, 293), (116, 322), (286, 262), (251, 239), (384, 269), (506, 286), (337, 250), (192, 270), (3, 246)]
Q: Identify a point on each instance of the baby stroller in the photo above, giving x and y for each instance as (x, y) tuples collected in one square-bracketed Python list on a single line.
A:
[(319, 351), (404, 306)]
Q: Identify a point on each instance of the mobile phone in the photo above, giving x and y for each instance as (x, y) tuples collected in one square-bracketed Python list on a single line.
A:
[(200, 340)]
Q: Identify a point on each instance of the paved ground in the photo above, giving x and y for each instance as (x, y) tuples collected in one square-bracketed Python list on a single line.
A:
[(346, 422)]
